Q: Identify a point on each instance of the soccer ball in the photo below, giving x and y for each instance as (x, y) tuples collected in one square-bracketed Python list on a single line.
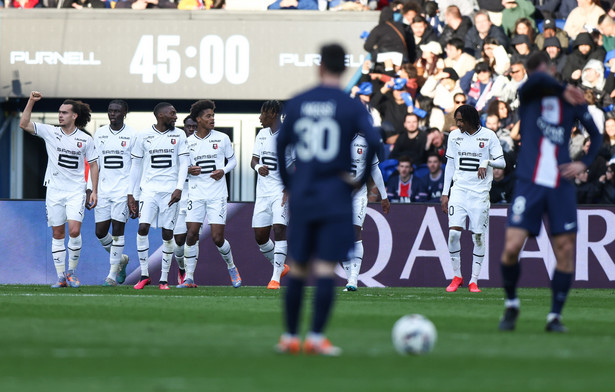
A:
[(414, 334)]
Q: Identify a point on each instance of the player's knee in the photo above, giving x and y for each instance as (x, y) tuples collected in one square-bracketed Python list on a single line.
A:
[(453, 237), (167, 234), (478, 239), (143, 229), (260, 237), (218, 239), (192, 237), (100, 233), (180, 239), (279, 232), (74, 231), (510, 256)]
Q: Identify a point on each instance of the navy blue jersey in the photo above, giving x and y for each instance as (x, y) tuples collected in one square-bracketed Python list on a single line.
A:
[(546, 124), (430, 190), (320, 125)]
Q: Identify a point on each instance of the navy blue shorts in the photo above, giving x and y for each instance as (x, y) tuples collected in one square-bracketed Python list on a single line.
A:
[(330, 239), (531, 202)]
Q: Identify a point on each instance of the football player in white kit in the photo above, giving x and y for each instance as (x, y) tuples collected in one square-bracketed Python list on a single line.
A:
[(270, 208), (68, 147), (208, 192), (160, 162), (114, 143), (358, 151), (179, 233), (472, 152)]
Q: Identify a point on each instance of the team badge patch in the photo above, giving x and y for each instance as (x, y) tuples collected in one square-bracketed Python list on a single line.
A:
[(215, 146), (173, 141), (359, 151), (124, 143), (481, 144), (79, 144)]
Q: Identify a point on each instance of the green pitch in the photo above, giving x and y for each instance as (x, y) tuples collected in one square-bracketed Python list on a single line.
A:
[(221, 339)]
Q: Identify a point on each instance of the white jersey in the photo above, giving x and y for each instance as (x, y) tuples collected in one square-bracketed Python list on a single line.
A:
[(265, 150), (208, 153), (468, 151), (114, 149), (160, 152), (66, 157), (358, 154)]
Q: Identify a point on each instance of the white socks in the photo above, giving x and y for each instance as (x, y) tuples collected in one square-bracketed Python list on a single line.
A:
[(74, 251), (353, 266), (279, 257), (106, 242), (227, 255), (167, 256), (179, 255), (190, 259), (143, 251), (478, 254), (115, 255), (454, 248), (58, 253), (267, 249)]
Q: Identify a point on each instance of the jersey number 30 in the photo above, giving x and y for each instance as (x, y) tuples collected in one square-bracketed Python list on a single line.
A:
[(318, 139)]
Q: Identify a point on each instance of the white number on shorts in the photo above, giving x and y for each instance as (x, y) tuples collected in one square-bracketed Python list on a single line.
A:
[(189, 205), (68, 161), (451, 210), (318, 139)]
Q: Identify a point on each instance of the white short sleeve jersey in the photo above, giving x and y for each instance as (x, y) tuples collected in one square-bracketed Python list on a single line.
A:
[(265, 151), (66, 157), (358, 154), (208, 153), (114, 149), (160, 152), (468, 151)]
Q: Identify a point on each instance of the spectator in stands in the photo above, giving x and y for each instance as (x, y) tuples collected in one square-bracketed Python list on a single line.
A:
[(412, 142), (406, 71), (588, 192), (434, 116), (556, 9), (456, 26), (466, 7), (509, 91), (502, 186), (482, 29), (430, 186), (25, 3), (525, 26), (593, 79), (556, 56), (496, 56), (493, 122), (442, 88), (514, 10), (606, 183), (609, 65), (480, 91), (521, 47), (607, 150), (409, 10), (551, 30), (430, 62), (596, 113), (423, 34), (494, 9), (364, 92), (145, 4), (449, 117), (401, 186), (294, 5), (432, 16), (389, 37), (80, 4), (587, 13), (457, 59), (436, 143), (607, 29), (393, 109), (581, 53)]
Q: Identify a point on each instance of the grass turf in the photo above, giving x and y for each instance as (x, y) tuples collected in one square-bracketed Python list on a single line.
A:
[(221, 339)]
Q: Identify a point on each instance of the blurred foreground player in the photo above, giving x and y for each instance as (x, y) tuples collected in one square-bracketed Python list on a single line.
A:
[(68, 147), (320, 125), (544, 184)]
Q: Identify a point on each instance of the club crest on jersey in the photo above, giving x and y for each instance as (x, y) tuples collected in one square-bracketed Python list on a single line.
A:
[(215, 146), (79, 144), (481, 144), (173, 141), (359, 150), (124, 143)]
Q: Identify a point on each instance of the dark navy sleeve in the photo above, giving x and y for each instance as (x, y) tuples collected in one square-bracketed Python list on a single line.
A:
[(594, 134), (540, 85)]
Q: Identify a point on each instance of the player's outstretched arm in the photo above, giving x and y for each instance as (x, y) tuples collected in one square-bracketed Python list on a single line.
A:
[(25, 122)]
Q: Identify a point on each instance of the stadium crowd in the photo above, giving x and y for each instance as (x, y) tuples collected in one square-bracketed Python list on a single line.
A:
[(427, 58)]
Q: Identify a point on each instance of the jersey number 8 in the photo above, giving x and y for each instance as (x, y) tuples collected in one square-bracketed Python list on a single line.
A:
[(318, 139)]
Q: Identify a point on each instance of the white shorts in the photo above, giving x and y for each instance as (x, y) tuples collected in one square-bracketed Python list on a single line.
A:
[(214, 210), (107, 209), (62, 206), (180, 226), (154, 210), (359, 208), (474, 206), (268, 210)]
